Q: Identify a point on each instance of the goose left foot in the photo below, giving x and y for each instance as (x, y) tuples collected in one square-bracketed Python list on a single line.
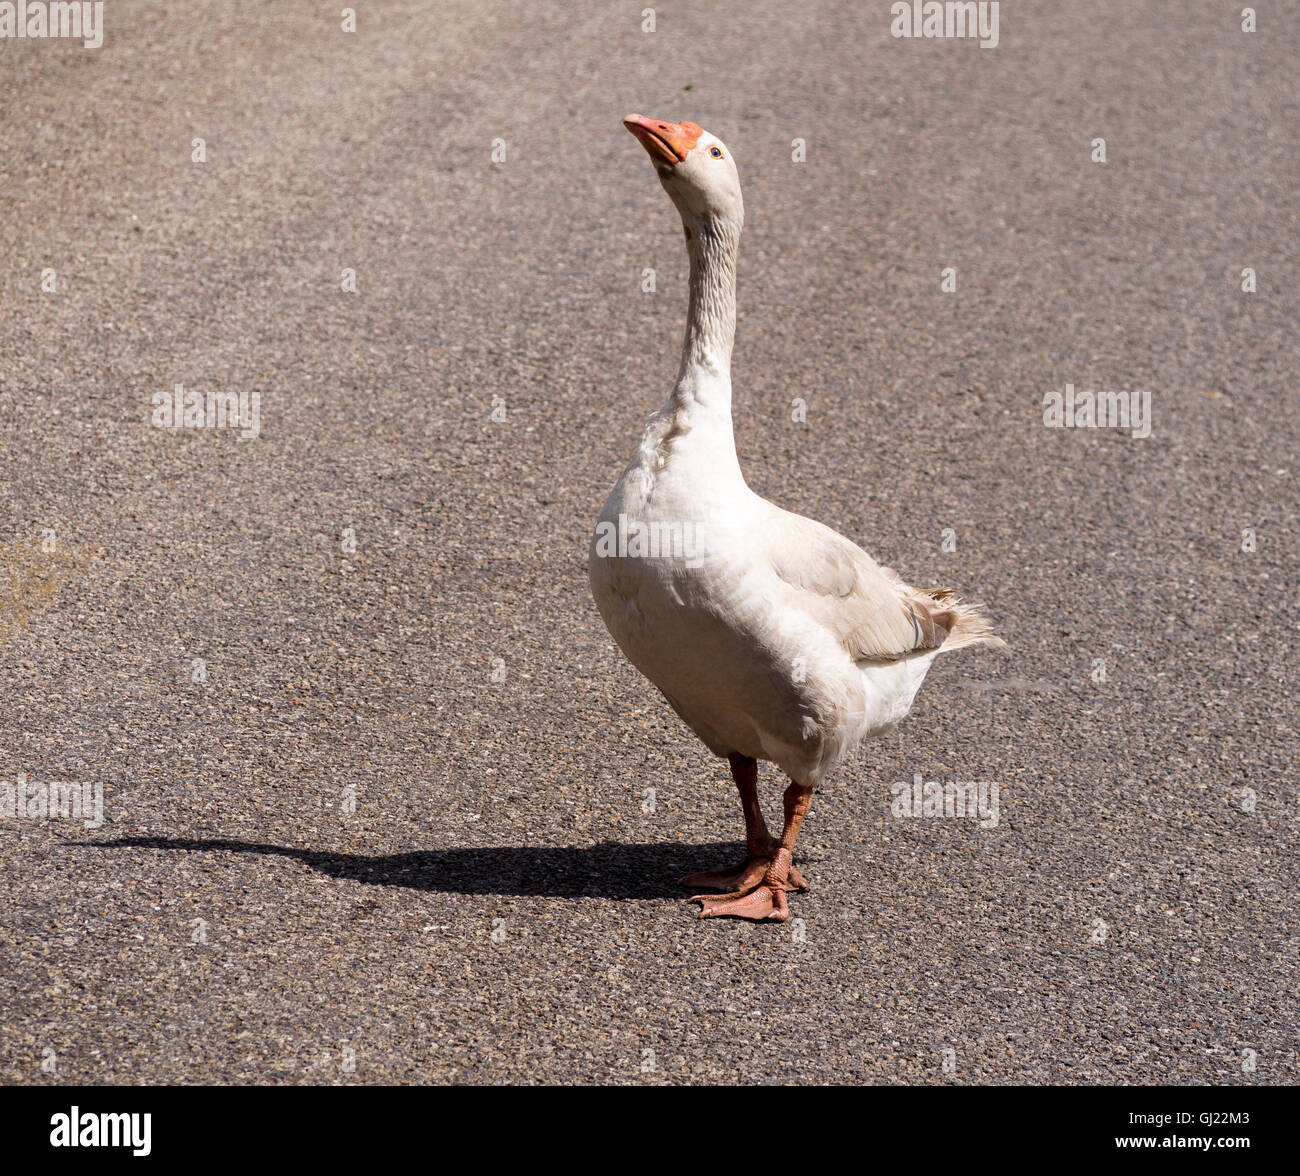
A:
[(765, 903)]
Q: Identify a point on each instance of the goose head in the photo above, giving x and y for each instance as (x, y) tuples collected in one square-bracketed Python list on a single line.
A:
[(695, 168)]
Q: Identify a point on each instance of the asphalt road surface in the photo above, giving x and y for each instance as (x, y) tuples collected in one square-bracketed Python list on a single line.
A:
[(381, 801)]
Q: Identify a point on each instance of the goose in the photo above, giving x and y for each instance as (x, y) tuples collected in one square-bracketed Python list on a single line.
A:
[(771, 636)]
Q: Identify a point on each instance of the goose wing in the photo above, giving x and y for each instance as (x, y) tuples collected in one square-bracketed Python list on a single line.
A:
[(873, 614)]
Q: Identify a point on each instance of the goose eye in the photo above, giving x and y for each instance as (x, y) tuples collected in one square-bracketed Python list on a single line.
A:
[(715, 152)]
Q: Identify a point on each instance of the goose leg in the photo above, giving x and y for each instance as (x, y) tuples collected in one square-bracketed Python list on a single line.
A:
[(760, 845), (766, 900)]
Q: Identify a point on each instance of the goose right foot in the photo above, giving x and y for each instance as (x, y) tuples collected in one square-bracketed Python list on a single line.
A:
[(742, 878)]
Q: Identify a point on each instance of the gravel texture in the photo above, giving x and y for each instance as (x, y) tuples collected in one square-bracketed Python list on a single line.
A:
[(387, 587)]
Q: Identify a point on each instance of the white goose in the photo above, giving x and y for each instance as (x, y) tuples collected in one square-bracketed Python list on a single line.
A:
[(773, 637)]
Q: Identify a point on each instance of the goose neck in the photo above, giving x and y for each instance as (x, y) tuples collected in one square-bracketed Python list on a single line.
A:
[(713, 245)]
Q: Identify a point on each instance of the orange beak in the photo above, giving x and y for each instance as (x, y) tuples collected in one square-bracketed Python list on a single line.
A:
[(666, 142)]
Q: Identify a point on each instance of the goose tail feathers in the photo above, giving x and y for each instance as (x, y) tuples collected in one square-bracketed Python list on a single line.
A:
[(965, 623)]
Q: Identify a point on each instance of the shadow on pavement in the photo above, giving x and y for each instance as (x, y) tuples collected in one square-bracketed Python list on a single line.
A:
[(608, 870)]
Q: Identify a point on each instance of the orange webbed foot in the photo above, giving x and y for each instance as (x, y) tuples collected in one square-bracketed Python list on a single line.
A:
[(765, 903), (742, 878)]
